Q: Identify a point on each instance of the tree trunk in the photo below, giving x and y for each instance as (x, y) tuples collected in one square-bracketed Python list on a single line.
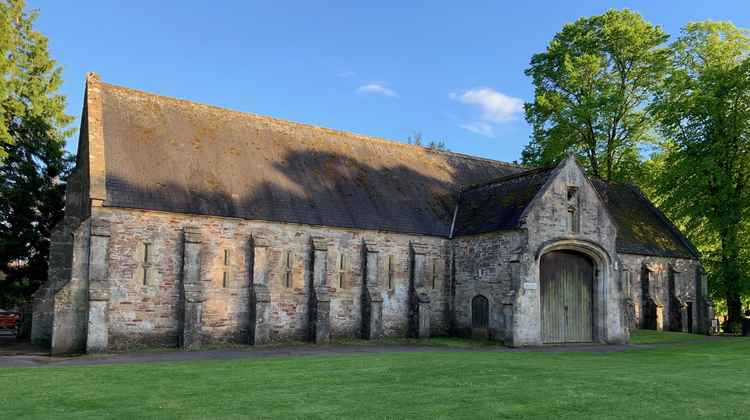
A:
[(731, 272), (594, 163), (734, 306)]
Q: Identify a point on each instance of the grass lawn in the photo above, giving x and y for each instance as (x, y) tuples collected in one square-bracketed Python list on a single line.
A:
[(684, 379), (659, 337)]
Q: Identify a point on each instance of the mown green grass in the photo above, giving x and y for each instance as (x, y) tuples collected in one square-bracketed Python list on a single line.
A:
[(657, 337), (682, 380)]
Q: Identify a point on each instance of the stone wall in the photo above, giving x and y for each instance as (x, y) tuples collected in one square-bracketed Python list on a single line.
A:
[(658, 291), (71, 299), (60, 262), (145, 263), (486, 265)]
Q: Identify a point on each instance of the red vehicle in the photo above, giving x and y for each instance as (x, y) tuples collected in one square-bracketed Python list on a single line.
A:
[(9, 320)]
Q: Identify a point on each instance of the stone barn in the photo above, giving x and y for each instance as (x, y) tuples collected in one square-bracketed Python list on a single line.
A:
[(187, 224)]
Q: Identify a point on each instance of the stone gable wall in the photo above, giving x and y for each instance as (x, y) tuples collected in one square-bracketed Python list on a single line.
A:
[(550, 226)]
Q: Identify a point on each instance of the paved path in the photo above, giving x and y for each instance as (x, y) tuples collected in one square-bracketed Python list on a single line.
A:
[(169, 355)]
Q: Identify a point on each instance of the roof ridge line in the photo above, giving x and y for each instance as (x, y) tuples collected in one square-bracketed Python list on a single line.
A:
[(504, 178), (359, 136)]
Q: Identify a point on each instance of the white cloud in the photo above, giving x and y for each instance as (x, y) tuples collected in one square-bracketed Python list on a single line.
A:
[(479, 127), (377, 88), (494, 108)]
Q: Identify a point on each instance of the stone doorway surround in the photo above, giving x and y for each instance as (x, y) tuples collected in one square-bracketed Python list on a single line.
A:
[(604, 276)]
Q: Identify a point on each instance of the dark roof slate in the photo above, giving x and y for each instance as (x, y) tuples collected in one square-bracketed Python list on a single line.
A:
[(174, 155), (498, 204), (641, 227)]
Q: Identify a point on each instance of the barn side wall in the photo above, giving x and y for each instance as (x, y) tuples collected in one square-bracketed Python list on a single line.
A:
[(486, 265), (146, 308), (659, 291)]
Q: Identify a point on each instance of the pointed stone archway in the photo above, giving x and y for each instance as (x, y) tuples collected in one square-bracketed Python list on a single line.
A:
[(590, 258)]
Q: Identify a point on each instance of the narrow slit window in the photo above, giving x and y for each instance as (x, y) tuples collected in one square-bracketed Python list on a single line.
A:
[(225, 273), (341, 271), (288, 270), (390, 272), (434, 273), (573, 224), (146, 249)]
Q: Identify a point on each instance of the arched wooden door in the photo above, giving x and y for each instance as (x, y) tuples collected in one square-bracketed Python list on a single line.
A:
[(566, 296), (480, 316)]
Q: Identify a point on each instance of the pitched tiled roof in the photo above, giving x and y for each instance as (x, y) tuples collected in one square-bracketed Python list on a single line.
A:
[(641, 227), (175, 155), (498, 204)]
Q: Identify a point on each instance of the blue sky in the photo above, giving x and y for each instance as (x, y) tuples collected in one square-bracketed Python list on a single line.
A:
[(451, 72)]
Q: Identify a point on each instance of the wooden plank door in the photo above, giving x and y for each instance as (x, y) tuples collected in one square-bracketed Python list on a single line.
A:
[(566, 297), (480, 317)]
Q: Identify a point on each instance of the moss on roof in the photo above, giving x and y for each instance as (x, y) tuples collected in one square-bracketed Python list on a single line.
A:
[(498, 204), (641, 227), (174, 155)]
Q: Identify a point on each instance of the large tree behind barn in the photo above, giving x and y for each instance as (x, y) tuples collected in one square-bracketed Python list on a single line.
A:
[(591, 86)]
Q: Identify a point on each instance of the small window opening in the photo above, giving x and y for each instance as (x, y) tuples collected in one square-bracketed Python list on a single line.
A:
[(390, 272), (288, 270), (146, 257), (341, 271), (434, 273), (572, 192), (573, 224), (224, 274)]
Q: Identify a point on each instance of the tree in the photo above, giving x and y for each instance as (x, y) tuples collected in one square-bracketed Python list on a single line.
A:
[(416, 139), (704, 181), (33, 164), (591, 86)]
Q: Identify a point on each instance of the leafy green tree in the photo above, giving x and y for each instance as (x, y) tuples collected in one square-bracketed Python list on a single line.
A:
[(591, 86), (703, 172), (33, 165)]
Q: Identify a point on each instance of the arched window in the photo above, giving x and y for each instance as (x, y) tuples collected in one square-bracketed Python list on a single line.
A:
[(480, 312)]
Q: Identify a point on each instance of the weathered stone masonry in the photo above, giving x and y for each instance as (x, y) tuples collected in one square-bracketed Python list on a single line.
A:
[(187, 225), (184, 299)]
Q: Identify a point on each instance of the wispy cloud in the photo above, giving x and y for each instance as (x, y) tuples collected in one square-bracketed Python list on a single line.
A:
[(479, 127), (494, 108), (346, 74), (377, 88)]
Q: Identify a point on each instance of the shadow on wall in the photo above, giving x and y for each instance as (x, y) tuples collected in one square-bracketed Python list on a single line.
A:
[(317, 188)]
